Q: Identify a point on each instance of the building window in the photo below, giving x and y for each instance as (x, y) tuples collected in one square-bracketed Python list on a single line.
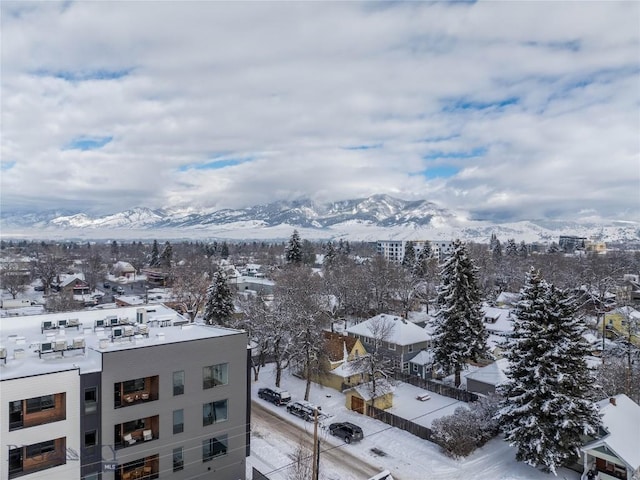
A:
[(38, 404), (37, 457), (214, 447), (178, 421), (410, 348), (90, 438), (215, 375), (178, 459), (178, 383), (415, 367), (90, 400), (392, 346), (28, 413), (214, 412)]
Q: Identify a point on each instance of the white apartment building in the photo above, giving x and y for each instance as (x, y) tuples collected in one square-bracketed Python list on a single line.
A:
[(393, 250)]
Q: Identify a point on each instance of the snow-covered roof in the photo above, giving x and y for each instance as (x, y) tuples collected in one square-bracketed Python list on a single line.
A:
[(347, 369), (500, 323), (123, 267), (508, 298), (401, 332), (24, 334), (382, 388), (492, 374), (622, 420), (425, 357)]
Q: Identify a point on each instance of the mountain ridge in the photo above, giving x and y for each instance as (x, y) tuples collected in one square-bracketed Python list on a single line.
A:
[(380, 216)]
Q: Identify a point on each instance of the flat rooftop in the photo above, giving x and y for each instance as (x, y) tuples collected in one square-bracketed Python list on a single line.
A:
[(33, 346)]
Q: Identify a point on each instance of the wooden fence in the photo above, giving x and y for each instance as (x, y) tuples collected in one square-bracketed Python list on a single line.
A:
[(436, 387), (402, 423)]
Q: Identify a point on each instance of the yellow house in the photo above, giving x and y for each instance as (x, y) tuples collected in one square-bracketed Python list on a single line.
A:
[(356, 397), (340, 351), (618, 322)]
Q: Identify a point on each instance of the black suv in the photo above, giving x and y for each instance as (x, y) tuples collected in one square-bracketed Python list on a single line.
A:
[(346, 430), (275, 395), (304, 410)]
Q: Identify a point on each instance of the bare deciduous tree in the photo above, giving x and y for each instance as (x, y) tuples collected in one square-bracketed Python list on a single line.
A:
[(12, 279)]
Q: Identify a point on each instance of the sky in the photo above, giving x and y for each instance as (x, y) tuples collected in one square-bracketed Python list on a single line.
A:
[(506, 110)]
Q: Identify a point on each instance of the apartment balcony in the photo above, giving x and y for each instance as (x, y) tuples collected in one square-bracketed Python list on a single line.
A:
[(136, 432), (135, 392)]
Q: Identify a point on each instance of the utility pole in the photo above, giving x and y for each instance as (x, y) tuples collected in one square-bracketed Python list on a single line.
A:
[(316, 447)]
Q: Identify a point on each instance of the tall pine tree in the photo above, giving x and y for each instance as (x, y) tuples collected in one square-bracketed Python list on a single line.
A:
[(547, 406), (155, 255), (219, 307), (293, 250), (409, 258), (459, 333)]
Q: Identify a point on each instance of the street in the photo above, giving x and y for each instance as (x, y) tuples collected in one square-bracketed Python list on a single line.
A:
[(285, 434)]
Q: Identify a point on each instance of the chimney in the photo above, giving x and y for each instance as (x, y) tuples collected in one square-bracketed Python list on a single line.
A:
[(612, 401)]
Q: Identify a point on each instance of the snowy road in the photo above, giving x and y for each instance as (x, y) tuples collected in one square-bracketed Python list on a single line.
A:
[(336, 462)]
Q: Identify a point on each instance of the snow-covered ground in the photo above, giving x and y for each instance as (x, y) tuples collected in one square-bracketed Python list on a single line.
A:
[(406, 456)]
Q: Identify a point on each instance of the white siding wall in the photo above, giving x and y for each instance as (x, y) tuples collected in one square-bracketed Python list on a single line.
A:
[(36, 386)]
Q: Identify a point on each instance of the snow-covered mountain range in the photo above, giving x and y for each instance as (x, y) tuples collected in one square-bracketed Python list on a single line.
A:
[(367, 219)]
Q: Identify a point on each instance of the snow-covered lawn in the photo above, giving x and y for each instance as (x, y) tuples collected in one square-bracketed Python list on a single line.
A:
[(406, 456)]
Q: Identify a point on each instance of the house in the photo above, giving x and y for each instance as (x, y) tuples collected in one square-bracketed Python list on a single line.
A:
[(401, 340), (356, 397), (623, 322), (341, 350), (485, 379), (628, 292), (122, 394), (73, 284), (616, 455), (123, 269), (422, 364)]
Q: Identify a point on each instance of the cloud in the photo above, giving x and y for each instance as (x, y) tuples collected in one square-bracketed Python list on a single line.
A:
[(505, 109)]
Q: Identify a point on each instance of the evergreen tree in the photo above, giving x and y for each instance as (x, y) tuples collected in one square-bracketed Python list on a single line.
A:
[(293, 250), (523, 251), (497, 251), (155, 254), (421, 265), (409, 258), (459, 333), (512, 248), (165, 257), (492, 242), (329, 255), (224, 250), (219, 307), (547, 406)]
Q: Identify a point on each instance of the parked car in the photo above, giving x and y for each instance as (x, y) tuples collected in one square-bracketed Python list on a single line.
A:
[(302, 409), (119, 290), (106, 285), (39, 288), (347, 431), (275, 395)]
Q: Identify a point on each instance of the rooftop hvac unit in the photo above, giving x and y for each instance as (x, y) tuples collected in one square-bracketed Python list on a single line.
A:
[(60, 345)]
